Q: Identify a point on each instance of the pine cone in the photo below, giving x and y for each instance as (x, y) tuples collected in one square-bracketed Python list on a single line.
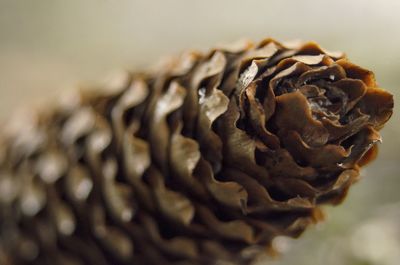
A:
[(202, 161)]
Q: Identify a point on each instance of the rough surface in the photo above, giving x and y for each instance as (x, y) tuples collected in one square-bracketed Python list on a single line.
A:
[(203, 160)]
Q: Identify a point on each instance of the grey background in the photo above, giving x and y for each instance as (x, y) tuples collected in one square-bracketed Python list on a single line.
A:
[(49, 46)]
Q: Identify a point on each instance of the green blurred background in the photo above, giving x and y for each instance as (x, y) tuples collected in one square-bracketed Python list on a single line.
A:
[(49, 46)]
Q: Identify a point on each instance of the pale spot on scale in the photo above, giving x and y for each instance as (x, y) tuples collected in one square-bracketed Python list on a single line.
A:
[(202, 95), (30, 205), (83, 189), (66, 226), (126, 215)]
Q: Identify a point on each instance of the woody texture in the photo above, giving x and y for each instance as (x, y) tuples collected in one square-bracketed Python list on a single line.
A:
[(202, 160)]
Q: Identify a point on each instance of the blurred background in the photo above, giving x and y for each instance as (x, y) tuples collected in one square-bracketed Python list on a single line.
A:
[(49, 46)]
